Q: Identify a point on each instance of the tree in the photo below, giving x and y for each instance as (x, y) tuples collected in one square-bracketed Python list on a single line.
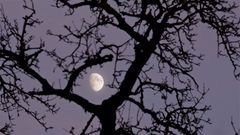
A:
[(160, 40)]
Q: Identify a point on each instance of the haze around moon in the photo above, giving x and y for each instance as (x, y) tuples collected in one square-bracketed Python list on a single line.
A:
[(96, 81)]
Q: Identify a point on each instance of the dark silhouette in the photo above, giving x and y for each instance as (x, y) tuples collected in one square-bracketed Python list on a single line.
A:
[(157, 59)]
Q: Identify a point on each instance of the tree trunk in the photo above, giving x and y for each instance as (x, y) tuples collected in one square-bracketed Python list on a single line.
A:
[(107, 119)]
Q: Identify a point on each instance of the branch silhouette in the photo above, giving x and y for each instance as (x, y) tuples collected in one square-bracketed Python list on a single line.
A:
[(157, 59)]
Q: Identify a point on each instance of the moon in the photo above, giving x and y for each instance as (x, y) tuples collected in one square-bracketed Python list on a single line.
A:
[(96, 81)]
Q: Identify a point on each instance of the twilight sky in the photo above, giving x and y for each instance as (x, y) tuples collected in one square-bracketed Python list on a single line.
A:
[(215, 73)]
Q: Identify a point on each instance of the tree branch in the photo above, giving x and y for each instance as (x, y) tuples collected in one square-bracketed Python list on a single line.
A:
[(85, 104)]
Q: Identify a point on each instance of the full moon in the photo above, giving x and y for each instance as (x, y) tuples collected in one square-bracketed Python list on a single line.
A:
[(96, 81)]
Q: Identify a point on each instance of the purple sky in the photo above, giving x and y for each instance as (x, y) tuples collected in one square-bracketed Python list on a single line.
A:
[(216, 73)]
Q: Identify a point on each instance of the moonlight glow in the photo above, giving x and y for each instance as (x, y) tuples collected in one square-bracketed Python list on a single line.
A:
[(96, 81)]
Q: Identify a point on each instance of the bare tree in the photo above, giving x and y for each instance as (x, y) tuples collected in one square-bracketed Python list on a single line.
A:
[(158, 58)]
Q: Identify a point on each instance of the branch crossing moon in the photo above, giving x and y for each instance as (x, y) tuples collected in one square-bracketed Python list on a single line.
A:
[(96, 81)]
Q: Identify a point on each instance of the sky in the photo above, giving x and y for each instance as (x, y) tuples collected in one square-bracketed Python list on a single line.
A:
[(214, 72)]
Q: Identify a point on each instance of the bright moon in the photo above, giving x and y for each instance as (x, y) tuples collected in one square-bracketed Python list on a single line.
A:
[(96, 81)]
